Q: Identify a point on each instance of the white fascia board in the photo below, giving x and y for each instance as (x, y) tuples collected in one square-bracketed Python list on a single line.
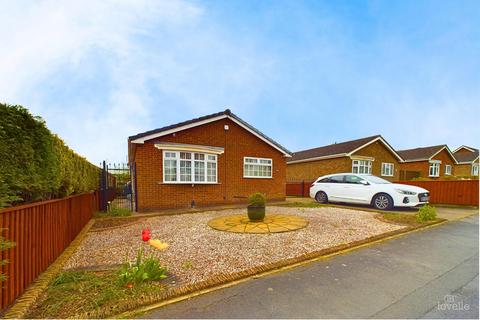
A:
[(199, 123), (463, 147), (167, 132), (189, 148), (318, 158), (384, 143), (260, 137), (449, 152)]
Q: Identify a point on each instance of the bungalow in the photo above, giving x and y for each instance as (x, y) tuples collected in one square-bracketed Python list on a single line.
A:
[(367, 155), (467, 158), (427, 162), (212, 160)]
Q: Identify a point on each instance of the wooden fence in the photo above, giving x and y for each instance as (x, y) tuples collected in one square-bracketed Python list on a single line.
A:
[(41, 231), (458, 192)]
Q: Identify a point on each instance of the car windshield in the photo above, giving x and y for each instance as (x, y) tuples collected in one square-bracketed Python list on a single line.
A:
[(375, 180)]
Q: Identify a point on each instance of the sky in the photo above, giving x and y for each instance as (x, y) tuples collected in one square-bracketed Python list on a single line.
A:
[(305, 73)]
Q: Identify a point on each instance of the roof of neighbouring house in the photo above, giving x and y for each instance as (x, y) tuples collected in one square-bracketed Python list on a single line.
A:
[(423, 153), (471, 149), (466, 157), (152, 134), (338, 150)]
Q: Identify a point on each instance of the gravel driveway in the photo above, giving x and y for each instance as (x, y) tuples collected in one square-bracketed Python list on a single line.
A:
[(198, 252)]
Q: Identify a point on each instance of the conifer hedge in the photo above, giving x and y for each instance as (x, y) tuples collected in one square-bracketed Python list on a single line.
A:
[(36, 164)]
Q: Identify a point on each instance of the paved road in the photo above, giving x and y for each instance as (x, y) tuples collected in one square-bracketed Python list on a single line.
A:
[(430, 274)]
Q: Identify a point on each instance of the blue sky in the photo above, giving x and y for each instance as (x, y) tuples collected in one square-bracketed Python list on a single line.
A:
[(306, 73)]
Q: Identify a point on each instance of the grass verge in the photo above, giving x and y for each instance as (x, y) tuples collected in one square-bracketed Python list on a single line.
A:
[(84, 292), (403, 219)]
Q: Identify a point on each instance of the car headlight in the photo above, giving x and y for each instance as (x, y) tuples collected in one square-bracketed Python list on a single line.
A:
[(405, 192)]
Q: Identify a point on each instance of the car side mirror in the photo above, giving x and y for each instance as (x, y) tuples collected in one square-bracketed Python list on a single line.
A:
[(365, 183)]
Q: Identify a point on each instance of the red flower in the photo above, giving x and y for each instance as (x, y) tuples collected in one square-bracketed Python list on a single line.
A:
[(146, 235), (130, 285)]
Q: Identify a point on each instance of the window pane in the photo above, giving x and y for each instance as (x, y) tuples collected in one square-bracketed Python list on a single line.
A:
[(199, 171), (170, 169), (185, 170), (211, 172), (199, 156)]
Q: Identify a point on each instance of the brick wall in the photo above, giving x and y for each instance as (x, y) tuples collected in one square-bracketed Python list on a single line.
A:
[(423, 166), (311, 170), (381, 154), (231, 188)]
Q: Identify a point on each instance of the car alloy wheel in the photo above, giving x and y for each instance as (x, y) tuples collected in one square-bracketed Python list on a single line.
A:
[(382, 202), (321, 197)]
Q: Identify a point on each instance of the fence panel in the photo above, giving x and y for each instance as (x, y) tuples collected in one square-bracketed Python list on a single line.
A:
[(41, 231), (458, 192)]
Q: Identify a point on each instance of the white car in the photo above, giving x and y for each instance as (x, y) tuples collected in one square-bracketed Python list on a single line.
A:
[(366, 189)]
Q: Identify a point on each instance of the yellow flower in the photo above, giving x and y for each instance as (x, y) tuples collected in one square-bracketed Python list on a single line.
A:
[(158, 244)]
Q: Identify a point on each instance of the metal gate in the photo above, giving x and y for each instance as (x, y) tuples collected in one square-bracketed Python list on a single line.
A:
[(116, 189)]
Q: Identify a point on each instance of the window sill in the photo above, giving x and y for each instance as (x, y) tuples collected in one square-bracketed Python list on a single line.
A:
[(387, 175), (257, 177), (192, 183)]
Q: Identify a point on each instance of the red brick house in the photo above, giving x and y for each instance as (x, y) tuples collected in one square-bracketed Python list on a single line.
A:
[(468, 163), (367, 155), (212, 160), (427, 162)]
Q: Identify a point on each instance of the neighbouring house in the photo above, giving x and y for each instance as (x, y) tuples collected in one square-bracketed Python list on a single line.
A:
[(367, 155), (468, 163), (212, 160), (427, 162)]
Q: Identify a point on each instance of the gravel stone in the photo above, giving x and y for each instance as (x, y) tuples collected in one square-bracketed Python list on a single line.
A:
[(197, 252)]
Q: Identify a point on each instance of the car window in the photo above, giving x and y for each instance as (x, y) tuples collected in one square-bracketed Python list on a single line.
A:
[(353, 179), (337, 179)]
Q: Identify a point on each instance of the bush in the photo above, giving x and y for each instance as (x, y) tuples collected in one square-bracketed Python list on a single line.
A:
[(143, 269), (36, 164), (4, 245), (426, 213), (257, 200), (120, 212)]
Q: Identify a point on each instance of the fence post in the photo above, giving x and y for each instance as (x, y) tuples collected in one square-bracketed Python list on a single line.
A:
[(303, 188), (103, 188)]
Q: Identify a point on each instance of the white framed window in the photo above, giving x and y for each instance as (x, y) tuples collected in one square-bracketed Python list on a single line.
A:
[(257, 167), (387, 169), (434, 169), (475, 169), (362, 166), (448, 169), (189, 167)]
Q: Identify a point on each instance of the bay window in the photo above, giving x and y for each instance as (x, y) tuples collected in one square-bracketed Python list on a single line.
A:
[(189, 167), (362, 166), (257, 167)]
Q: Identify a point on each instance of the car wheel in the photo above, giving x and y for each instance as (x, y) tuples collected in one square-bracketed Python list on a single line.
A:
[(382, 201), (321, 197)]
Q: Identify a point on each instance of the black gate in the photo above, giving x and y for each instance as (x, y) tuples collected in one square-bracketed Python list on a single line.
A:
[(116, 189)]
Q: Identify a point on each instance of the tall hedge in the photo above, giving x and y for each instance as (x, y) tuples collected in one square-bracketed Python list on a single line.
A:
[(36, 164)]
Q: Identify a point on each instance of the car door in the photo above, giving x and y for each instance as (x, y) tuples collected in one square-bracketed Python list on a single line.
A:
[(333, 187), (356, 189)]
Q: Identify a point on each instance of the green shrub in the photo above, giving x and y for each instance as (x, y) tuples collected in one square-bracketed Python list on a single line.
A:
[(426, 213), (4, 245), (36, 164), (143, 269), (257, 200), (120, 212)]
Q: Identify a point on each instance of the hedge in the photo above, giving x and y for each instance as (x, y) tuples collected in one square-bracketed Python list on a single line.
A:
[(35, 164)]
